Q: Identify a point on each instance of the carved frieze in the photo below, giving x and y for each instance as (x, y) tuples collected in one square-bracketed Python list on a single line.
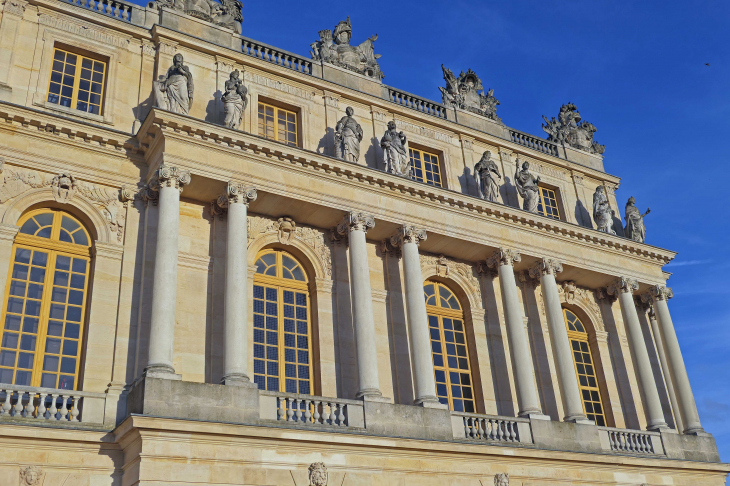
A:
[(83, 30), (278, 85)]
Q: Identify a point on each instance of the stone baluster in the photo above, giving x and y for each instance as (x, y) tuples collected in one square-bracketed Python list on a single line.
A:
[(624, 289), (408, 238), (356, 225), (659, 295), (546, 269), (666, 372), (235, 321), (169, 182), (503, 260)]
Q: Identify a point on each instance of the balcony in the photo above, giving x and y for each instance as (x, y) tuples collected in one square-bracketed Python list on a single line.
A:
[(48, 406)]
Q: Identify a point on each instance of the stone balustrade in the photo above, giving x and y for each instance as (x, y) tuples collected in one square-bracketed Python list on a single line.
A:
[(491, 428), (118, 9), (415, 103), (32, 403), (311, 410), (534, 143), (631, 441), (276, 56)]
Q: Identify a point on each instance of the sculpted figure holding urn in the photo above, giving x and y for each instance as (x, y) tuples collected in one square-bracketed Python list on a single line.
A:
[(487, 176), (395, 151), (174, 91), (635, 229), (602, 212), (527, 187), (234, 100), (348, 135)]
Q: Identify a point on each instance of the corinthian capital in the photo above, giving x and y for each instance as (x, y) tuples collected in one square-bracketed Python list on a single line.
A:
[(657, 292), (504, 256), (408, 234), (545, 266), (355, 221), (240, 194), (170, 176), (623, 285)]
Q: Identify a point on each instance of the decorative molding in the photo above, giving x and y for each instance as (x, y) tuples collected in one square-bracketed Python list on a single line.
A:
[(408, 234), (448, 268), (195, 262), (278, 85), (167, 48), (170, 176), (15, 7), (423, 131), (467, 143), (484, 269), (624, 285), (584, 298), (657, 292), (379, 115), (148, 49), (324, 285), (8, 232), (107, 250), (355, 221), (318, 475), (504, 256), (332, 101), (545, 266), (82, 30), (64, 187)]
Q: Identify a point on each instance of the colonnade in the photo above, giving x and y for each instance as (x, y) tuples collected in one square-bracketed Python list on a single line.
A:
[(170, 182)]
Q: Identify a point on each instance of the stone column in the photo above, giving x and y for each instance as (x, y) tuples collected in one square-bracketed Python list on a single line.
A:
[(546, 269), (357, 225), (504, 260), (688, 409), (666, 373), (169, 183), (408, 238), (235, 313), (624, 288)]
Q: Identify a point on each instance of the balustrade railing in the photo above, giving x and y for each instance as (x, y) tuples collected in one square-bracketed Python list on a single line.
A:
[(23, 402), (632, 441), (491, 428), (415, 103), (534, 143), (312, 410), (118, 9), (276, 56)]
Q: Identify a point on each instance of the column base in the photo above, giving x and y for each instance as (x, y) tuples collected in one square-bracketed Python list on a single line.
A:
[(657, 427), (578, 419), (430, 402), (699, 432), (535, 416), (238, 380), (162, 372), (372, 395)]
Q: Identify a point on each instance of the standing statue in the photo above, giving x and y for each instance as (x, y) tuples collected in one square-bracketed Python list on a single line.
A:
[(174, 92), (635, 229), (348, 135), (602, 212), (527, 187), (234, 100), (395, 151), (487, 175)]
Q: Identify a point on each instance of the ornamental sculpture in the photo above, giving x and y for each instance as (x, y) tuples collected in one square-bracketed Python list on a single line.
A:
[(635, 229), (348, 135), (228, 13), (569, 128), (602, 212), (31, 476), (318, 474), (527, 187), (395, 151), (501, 479), (335, 48), (174, 91), (488, 177), (467, 93), (234, 100)]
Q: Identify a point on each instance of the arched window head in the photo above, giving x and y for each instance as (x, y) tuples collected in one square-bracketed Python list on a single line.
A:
[(584, 369), (282, 324), (449, 348), (44, 314)]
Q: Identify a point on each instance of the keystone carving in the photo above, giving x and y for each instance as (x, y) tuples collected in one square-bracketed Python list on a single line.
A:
[(318, 474), (408, 234), (355, 221), (545, 266), (31, 476), (504, 256), (501, 479)]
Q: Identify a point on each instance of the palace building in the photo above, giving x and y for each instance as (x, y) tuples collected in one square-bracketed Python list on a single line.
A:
[(228, 264)]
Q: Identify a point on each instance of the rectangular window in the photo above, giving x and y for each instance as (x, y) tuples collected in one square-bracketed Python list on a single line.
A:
[(425, 167), (77, 82), (278, 124), (548, 205)]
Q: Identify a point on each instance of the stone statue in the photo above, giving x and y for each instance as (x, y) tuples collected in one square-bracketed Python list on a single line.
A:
[(234, 100), (527, 187), (569, 128), (336, 49), (487, 175), (228, 13), (31, 476), (602, 212), (348, 135), (395, 151), (318, 474), (464, 93), (635, 229), (174, 91), (501, 479)]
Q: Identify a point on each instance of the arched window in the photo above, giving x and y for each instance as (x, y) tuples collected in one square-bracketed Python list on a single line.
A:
[(45, 301), (282, 329), (584, 369), (449, 348)]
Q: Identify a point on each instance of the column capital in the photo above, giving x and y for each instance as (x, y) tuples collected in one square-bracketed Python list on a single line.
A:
[(545, 266), (408, 234), (603, 296), (504, 256), (657, 292), (237, 193), (355, 221), (623, 285), (170, 176)]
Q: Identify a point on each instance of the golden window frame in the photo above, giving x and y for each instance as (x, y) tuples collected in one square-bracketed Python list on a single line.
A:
[(76, 80), (291, 119), (428, 161)]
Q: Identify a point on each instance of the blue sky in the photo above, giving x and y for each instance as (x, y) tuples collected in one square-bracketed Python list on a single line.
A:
[(636, 70)]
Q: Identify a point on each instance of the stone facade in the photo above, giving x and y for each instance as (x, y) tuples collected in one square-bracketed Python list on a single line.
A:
[(180, 205)]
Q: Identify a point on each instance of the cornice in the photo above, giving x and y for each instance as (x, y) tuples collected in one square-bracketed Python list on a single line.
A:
[(165, 124)]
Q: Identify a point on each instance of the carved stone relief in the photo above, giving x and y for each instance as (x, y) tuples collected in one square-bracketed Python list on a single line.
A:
[(16, 7), (227, 13), (501, 479), (31, 476), (449, 268), (318, 474), (585, 298)]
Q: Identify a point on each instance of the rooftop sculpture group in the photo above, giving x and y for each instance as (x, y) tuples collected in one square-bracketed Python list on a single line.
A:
[(569, 128), (335, 48), (228, 13), (467, 93)]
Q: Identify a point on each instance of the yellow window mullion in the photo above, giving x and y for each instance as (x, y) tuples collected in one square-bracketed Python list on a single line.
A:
[(282, 345), (43, 320), (77, 80)]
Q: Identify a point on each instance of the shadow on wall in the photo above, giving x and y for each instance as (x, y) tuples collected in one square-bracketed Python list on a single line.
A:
[(212, 110), (617, 226), (374, 155), (509, 193), (466, 181), (326, 145), (582, 215)]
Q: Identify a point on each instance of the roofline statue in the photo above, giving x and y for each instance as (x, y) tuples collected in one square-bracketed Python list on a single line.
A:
[(334, 48)]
